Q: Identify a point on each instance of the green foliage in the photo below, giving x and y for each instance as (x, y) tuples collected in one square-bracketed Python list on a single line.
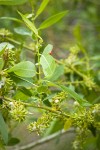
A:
[(47, 62), (41, 8), (67, 90), (29, 24), (52, 20), (3, 129), (24, 69), (12, 2), (81, 101)]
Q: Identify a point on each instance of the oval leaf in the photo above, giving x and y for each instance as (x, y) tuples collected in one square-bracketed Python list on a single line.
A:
[(52, 20), (24, 69), (12, 2), (22, 31), (13, 141), (48, 49), (3, 129), (48, 62)]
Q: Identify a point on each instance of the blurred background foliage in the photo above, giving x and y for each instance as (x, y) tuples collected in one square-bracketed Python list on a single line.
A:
[(82, 24)]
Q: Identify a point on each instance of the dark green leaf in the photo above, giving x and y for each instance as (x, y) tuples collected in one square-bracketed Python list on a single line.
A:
[(3, 129), (13, 141), (1, 63), (52, 20), (25, 91), (73, 94), (24, 69)]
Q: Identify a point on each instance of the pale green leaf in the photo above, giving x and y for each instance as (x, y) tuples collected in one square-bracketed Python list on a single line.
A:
[(42, 7), (48, 65), (2, 49), (12, 2), (47, 62), (23, 31), (3, 129), (52, 20), (48, 49), (68, 124), (29, 24), (24, 69), (59, 71), (5, 45)]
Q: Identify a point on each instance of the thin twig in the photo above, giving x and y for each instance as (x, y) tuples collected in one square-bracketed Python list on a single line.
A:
[(18, 43), (43, 140)]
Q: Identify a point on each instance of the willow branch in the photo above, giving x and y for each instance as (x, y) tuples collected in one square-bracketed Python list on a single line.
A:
[(44, 140), (58, 113)]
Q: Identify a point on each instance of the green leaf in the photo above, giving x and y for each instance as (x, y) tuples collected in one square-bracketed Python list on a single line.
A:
[(1, 63), (42, 7), (2, 49), (67, 124), (13, 141), (25, 91), (52, 20), (22, 31), (55, 125), (5, 45), (12, 2), (3, 129), (24, 69), (20, 95), (48, 49), (59, 71), (73, 94), (10, 18), (29, 24), (21, 81), (47, 62)]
